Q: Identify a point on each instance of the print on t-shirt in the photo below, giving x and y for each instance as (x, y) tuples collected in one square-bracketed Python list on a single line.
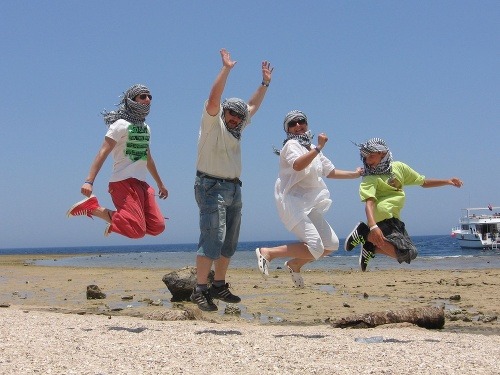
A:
[(137, 143)]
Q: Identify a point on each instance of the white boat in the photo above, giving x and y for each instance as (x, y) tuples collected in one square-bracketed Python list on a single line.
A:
[(479, 228)]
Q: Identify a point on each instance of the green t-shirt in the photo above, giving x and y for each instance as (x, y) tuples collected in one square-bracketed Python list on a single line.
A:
[(388, 190)]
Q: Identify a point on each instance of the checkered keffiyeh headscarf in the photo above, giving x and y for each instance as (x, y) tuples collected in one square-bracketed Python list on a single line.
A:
[(304, 139), (371, 146), (128, 109), (240, 107), (295, 115)]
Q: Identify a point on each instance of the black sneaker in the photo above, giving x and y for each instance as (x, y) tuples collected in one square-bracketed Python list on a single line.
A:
[(204, 300), (224, 294), (357, 236), (365, 256)]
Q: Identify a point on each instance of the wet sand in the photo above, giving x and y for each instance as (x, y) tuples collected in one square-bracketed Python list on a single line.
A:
[(470, 297), (48, 325)]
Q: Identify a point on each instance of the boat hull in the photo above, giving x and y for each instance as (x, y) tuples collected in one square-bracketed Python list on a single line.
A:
[(469, 241)]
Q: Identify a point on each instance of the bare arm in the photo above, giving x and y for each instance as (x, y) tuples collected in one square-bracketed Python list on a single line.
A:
[(162, 190), (370, 212), (430, 183), (375, 236), (106, 148), (257, 98), (303, 161), (340, 174), (214, 98)]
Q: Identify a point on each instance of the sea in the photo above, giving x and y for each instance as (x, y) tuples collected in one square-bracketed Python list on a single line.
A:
[(436, 252)]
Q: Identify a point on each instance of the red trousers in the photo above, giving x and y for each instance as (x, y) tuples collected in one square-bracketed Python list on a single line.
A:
[(137, 212)]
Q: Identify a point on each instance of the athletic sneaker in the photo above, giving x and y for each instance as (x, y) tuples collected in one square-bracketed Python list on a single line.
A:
[(84, 207), (364, 257), (357, 236), (204, 300), (224, 294)]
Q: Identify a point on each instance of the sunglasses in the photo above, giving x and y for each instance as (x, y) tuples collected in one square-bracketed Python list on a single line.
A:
[(236, 114), (144, 96), (294, 123)]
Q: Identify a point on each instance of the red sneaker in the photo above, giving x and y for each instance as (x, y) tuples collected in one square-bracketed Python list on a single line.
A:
[(84, 207)]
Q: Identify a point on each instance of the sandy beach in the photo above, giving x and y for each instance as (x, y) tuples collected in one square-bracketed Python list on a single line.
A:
[(48, 325)]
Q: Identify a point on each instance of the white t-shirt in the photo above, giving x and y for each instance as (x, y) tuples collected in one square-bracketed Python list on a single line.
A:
[(219, 152), (298, 192), (130, 152)]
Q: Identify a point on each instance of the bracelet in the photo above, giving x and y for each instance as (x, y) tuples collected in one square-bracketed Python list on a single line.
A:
[(318, 150), (372, 228), (266, 84), (89, 182)]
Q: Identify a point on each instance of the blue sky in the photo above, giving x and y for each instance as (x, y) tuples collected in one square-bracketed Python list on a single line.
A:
[(422, 75)]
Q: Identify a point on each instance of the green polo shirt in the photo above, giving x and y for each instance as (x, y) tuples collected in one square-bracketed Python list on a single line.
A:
[(388, 190)]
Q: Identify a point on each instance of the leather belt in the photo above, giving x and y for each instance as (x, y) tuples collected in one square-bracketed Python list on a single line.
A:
[(232, 180)]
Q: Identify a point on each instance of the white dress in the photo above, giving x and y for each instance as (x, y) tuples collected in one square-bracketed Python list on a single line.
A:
[(298, 192)]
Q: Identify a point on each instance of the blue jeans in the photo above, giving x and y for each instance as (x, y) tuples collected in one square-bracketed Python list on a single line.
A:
[(220, 216)]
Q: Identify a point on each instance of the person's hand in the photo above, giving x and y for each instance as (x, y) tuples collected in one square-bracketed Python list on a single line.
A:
[(359, 170), (456, 182), (162, 192), (267, 71), (226, 59), (86, 189), (376, 237), (322, 139)]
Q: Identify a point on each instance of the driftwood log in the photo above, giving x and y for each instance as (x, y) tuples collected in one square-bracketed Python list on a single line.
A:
[(426, 317)]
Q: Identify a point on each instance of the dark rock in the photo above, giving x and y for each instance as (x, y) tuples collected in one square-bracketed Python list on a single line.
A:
[(93, 292), (181, 283)]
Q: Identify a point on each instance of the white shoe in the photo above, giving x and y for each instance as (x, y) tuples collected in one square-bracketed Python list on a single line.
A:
[(262, 262), (296, 276)]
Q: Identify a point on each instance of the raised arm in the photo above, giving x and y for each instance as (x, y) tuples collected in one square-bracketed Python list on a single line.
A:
[(431, 182), (257, 98), (303, 161), (214, 98)]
